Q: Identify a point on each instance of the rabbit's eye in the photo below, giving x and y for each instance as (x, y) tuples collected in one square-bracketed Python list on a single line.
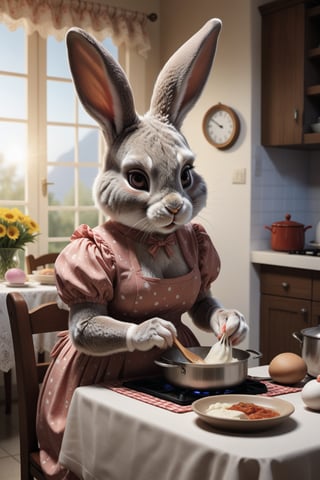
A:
[(186, 176), (138, 180)]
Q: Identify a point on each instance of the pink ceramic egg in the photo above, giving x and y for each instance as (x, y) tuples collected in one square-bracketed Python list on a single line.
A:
[(15, 275)]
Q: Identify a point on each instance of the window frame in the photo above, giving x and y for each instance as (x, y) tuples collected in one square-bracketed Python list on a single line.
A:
[(35, 202)]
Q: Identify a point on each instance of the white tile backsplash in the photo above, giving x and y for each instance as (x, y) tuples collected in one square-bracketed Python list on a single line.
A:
[(284, 181), (314, 186)]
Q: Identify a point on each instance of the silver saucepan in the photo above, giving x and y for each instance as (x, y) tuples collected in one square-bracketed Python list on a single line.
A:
[(178, 371), (310, 344)]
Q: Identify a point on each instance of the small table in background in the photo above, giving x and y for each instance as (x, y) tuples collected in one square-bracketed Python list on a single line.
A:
[(34, 294)]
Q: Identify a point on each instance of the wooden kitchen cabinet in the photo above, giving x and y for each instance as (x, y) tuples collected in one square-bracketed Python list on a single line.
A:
[(290, 302), (290, 89), (316, 287), (315, 313), (316, 298)]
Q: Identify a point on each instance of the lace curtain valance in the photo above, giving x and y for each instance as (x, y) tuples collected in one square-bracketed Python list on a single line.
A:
[(55, 17)]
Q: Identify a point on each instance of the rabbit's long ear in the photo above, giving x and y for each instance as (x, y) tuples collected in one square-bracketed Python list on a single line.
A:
[(183, 77), (101, 84)]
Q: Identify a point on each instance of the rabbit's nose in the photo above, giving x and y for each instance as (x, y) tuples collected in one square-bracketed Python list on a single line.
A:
[(173, 203), (173, 210)]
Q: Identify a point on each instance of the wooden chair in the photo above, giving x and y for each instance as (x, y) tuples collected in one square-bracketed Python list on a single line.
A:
[(7, 377), (32, 263), (24, 323)]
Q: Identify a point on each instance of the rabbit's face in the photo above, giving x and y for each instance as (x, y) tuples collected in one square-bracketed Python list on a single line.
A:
[(149, 182)]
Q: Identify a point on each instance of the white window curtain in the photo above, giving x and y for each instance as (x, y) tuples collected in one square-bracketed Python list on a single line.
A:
[(55, 17)]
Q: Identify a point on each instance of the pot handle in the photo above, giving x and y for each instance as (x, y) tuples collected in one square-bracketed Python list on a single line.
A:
[(166, 365), (268, 228), (307, 228), (298, 336), (254, 352)]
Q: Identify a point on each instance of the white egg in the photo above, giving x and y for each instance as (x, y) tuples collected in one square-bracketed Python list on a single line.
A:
[(311, 394), (15, 275)]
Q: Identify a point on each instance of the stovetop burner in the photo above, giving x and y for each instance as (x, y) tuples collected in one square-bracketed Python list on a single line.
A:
[(160, 388), (310, 252)]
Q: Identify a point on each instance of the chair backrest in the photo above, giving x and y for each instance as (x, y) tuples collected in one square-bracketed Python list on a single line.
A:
[(32, 263), (24, 324)]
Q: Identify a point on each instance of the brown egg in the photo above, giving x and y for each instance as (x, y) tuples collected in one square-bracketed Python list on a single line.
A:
[(287, 368)]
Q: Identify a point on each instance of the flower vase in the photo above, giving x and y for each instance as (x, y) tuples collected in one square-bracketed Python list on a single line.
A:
[(8, 259)]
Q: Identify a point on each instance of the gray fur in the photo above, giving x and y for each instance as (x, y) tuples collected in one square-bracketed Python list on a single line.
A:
[(148, 151)]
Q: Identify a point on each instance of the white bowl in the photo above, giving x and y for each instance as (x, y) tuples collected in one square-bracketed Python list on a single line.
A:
[(315, 127), (43, 279)]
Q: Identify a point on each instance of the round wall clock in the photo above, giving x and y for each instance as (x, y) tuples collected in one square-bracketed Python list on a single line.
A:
[(221, 126)]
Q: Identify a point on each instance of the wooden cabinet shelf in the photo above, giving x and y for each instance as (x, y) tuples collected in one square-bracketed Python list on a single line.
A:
[(311, 138), (314, 11), (313, 90), (290, 91), (314, 53)]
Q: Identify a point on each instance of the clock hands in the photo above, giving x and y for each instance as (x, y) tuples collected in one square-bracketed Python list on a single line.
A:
[(215, 121)]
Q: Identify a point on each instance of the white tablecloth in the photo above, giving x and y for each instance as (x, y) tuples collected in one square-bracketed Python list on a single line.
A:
[(111, 436), (35, 295)]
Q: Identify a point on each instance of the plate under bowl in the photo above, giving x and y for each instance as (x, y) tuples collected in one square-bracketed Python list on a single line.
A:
[(17, 284)]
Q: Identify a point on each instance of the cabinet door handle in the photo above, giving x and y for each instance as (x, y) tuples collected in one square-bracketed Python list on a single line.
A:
[(285, 285), (295, 114), (304, 313)]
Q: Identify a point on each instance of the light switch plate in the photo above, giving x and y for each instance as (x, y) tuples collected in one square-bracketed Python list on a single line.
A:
[(239, 176)]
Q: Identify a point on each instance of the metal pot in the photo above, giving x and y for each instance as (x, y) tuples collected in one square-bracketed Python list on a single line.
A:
[(310, 340), (178, 371), (287, 235)]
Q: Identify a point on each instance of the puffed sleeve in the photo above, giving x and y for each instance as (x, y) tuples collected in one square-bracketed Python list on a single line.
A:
[(85, 269), (209, 261)]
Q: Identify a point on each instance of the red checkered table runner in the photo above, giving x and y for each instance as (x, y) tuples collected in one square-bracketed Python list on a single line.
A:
[(273, 390)]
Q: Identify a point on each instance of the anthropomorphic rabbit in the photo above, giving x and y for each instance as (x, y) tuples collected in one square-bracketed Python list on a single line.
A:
[(128, 281)]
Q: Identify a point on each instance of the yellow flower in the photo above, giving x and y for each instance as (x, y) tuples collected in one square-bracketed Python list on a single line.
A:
[(3, 230), (32, 226), (10, 216), (16, 229), (13, 232), (20, 216)]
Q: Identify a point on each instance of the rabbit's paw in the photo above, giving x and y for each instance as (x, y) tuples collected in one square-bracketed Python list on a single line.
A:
[(154, 332)]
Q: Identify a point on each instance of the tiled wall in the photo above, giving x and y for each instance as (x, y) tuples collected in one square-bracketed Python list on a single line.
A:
[(314, 188), (284, 181)]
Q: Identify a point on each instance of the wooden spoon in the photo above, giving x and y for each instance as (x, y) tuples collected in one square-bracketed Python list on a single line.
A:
[(190, 356)]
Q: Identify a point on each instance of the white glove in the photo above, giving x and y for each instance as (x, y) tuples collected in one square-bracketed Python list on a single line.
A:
[(155, 332), (230, 322)]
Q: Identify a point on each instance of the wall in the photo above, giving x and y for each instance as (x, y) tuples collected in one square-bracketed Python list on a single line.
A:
[(227, 215), (314, 189)]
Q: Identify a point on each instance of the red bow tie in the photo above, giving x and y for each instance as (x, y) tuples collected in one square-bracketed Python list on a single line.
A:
[(166, 243)]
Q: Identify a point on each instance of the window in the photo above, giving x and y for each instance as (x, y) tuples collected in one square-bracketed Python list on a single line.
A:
[(50, 148), (13, 116)]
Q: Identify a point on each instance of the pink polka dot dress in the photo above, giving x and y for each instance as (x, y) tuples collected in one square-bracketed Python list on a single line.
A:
[(99, 265)]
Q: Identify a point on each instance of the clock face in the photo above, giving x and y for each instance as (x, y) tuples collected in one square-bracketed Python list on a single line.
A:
[(221, 126)]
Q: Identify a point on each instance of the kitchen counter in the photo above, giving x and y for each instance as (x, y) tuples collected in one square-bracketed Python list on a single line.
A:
[(283, 259)]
